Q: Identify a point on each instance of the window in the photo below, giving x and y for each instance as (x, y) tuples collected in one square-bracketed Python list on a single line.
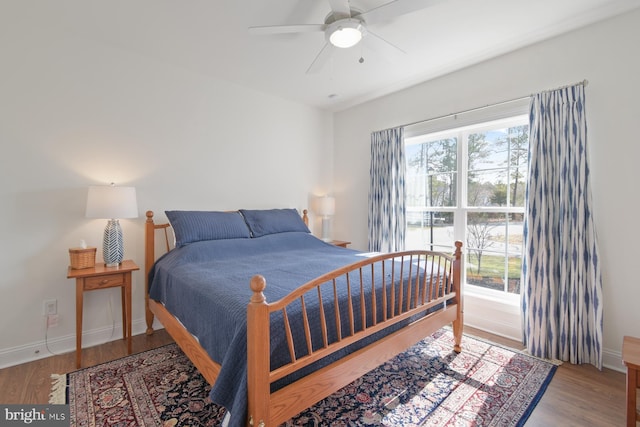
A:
[(468, 184)]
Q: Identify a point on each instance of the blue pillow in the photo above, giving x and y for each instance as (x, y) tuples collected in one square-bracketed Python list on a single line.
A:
[(271, 221), (194, 226)]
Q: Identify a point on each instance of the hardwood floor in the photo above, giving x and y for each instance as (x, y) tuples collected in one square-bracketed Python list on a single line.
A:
[(31, 382), (578, 395)]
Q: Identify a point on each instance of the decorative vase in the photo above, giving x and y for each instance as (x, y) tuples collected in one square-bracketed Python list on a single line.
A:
[(112, 246)]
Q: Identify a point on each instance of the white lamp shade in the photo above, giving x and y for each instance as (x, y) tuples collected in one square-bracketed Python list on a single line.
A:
[(326, 206), (111, 202)]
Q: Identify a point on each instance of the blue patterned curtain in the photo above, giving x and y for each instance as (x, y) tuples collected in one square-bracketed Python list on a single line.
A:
[(562, 292), (387, 191)]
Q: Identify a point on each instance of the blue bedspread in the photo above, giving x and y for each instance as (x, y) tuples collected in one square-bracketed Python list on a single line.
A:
[(206, 286)]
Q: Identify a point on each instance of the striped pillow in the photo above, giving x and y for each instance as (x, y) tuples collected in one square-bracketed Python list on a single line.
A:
[(271, 221), (195, 226)]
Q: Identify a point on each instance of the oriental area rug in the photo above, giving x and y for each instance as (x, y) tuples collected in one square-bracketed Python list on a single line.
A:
[(428, 385)]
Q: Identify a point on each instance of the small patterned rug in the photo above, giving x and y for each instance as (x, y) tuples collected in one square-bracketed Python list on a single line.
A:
[(428, 385)]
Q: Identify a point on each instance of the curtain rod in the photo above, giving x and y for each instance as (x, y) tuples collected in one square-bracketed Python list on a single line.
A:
[(584, 82)]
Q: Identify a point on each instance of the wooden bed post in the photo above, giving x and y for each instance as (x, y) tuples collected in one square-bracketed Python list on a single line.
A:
[(149, 259), (457, 287), (258, 360)]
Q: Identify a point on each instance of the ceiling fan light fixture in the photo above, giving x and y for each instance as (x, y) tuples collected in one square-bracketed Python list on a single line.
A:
[(345, 33)]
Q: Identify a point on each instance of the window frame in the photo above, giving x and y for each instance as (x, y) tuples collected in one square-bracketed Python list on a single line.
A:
[(515, 116)]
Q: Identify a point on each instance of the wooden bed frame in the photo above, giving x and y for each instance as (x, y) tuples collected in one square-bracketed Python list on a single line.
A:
[(271, 409)]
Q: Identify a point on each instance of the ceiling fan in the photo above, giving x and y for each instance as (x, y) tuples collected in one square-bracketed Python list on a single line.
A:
[(345, 27)]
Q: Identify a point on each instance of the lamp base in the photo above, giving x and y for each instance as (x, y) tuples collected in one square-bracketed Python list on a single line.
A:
[(112, 245), (326, 229)]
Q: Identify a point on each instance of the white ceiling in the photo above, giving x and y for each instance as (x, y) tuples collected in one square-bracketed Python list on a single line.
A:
[(211, 37)]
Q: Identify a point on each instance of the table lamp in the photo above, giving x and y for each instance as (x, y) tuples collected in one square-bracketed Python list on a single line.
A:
[(112, 203)]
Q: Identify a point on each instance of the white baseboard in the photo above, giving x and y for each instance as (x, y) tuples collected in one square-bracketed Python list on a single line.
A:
[(613, 360), (65, 344)]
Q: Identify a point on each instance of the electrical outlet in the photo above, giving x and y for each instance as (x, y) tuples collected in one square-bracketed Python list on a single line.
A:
[(50, 307), (52, 320)]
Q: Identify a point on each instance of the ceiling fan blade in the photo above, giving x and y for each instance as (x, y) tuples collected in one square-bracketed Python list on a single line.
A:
[(284, 29), (395, 8), (340, 8), (321, 59), (385, 48)]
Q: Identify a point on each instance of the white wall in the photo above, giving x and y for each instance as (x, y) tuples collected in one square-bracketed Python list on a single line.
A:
[(606, 55), (75, 113)]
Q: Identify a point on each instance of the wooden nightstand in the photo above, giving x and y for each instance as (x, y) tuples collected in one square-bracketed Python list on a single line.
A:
[(101, 277), (340, 243)]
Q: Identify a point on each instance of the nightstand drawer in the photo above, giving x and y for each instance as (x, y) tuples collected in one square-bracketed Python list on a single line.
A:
[(105, 281)]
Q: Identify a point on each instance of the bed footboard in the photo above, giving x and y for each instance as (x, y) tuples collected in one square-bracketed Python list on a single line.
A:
[(418, 285)]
